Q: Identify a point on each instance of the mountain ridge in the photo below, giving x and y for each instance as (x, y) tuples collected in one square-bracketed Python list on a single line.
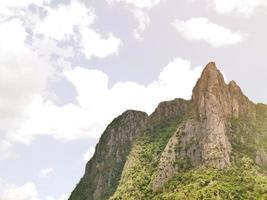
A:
[(212, 130)]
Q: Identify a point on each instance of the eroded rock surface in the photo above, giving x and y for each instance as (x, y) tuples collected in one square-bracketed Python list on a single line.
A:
[(204, 140), (103, 171)]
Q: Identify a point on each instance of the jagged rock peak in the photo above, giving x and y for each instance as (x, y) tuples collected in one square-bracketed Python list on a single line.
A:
[(212, 93), (210, 78), (211, 69), (216, 103), (203, 138)]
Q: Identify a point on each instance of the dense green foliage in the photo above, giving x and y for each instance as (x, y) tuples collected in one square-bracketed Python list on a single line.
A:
[(248, 137), (136, 181), (241, 181)]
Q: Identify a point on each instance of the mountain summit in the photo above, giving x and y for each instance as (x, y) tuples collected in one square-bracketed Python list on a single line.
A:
[(213, 146)]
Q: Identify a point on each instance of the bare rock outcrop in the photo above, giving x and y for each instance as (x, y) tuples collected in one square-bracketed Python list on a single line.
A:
[(204, 139), (168, 110), (212, 101), (166, 168)]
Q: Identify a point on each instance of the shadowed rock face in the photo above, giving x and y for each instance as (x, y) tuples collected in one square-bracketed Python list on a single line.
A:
[(103, 171)]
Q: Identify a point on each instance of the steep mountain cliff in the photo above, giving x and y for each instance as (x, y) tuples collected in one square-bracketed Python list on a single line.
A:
[(103, 171), (211, 147)]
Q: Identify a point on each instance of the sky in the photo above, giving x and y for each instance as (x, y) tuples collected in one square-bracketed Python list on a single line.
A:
[(67, 68)]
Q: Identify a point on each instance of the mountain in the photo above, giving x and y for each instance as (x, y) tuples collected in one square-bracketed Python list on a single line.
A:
[(213, 146)]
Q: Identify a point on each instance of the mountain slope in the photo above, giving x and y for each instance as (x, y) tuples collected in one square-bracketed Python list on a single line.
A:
[(103, 171), (211, 147)]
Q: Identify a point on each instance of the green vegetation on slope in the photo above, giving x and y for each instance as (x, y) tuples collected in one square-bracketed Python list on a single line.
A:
[(136, 181), (241, 181), (103, 171), (261, 126), (250, 137)]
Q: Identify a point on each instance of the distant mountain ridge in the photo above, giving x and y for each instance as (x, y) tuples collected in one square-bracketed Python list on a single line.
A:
[(213, 146)]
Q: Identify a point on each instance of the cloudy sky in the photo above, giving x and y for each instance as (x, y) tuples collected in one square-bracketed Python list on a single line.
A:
[(68, 67)]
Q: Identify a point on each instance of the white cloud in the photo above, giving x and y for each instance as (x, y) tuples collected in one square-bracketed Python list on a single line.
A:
[(243, 8), (28, 62), (65, 22), (47, 47), (5, 145), (142, 4), (93, 44), (62, 197), (60, 22), (203, 29), (27, 191), (140, 10), (22, 72), (46, 171), (89, 154), (25, 67), (7, 150), (143, 22), (97, 104), (68, 122), (73, 21), (8, 7)]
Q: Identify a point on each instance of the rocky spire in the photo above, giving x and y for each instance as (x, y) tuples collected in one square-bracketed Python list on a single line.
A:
[(211, 95), (204, 138), (211, 99), (216, 103)]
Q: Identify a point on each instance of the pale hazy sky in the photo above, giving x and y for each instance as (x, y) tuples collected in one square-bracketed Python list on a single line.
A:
[(67, 68)]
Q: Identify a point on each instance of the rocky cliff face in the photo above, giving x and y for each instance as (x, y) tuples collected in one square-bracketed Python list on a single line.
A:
[(103, 171), (168, 110), (218, 126), (216, 103), (204, 138)]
